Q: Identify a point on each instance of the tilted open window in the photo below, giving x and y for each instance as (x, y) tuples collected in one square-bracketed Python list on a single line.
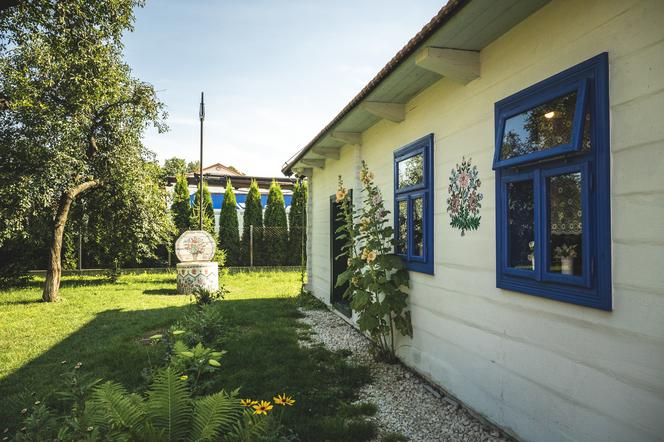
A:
[(552, 188), (413, 204)]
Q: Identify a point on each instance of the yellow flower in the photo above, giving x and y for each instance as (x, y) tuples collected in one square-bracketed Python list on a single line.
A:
[(341, 194), (282, 399), (263, 407), (371, 256), (184, 377), (248, 402)]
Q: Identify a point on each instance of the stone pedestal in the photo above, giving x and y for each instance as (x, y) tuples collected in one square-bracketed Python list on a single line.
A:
[(194, 274)]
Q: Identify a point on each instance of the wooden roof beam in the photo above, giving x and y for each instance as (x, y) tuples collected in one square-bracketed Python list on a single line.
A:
[(313, 162), (327, 151), (462, 66), (347, 137), (395, 112)]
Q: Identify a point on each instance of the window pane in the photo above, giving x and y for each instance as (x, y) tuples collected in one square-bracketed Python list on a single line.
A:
[(411, 171), (418, 226), (402, 234), (565, 223), (521, 225), (540, 128)]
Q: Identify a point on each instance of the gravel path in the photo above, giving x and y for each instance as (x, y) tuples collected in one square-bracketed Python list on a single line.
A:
[(406, 403)]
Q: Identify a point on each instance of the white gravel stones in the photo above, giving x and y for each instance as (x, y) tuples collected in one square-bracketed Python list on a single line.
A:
[(406, 403)]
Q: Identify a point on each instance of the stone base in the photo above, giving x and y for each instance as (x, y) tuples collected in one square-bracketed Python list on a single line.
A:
[(192, 275)]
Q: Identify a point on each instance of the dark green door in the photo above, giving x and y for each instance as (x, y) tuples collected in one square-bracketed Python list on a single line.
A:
[(337, 265)]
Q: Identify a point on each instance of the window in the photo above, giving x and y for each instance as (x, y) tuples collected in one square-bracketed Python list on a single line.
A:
[(413, 204), (552, 188)]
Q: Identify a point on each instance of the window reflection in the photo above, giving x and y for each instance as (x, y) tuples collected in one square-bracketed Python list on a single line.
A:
[(402, 236), (565, 224), (521, 223), (411, 171), (418, 227), (539, 128)]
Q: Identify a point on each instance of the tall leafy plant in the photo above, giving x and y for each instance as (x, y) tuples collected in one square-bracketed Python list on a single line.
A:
[(229, 231), (376, 277)]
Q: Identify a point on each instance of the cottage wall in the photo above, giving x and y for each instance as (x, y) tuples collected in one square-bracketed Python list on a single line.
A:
[(544, 370)]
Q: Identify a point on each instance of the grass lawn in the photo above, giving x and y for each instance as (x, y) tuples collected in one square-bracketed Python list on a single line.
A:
[(100, 324)]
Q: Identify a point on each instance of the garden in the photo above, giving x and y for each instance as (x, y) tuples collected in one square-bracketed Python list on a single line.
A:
[(132, 360)]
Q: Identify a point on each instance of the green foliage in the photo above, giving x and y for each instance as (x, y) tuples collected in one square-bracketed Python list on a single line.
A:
[(229, 230), (193, 166), (208, 211), (181, 205), (275, 241), (297, 223), (375, 276), (75, 119), (127, 221), (174, 166), (253, 215), (202, 325), (195, 364), (203, 296)]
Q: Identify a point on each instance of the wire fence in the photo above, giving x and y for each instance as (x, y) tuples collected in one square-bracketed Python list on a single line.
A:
[(273, 246)]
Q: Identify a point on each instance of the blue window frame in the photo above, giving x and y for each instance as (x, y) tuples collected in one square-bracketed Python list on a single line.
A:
[(553, 228), (413, 204)]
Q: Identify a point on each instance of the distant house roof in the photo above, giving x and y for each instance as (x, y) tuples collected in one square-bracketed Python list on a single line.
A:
[(222, 170)]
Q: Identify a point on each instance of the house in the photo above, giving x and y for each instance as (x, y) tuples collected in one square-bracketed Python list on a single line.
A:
[(519, 145), (216, 175)]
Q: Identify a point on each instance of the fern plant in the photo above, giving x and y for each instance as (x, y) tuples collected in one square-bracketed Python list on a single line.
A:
[(167, 413)]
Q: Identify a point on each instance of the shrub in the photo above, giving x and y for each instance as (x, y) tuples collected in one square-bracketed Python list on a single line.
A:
[(181, 206), (208, 211), (229, 233), (204, 296), (375, 276), (253, 215), (297, 222), (276, 228)]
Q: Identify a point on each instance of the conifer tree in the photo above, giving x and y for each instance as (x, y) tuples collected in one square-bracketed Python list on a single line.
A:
[(181, 207), (297, 221), (276, 228), (229, 231), (208, 211), (253, 215)]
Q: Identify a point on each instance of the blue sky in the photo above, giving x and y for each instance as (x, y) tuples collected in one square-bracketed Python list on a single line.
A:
[(274, 72)]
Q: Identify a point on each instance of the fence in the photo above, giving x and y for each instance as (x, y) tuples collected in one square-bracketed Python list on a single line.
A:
[(273, 246)]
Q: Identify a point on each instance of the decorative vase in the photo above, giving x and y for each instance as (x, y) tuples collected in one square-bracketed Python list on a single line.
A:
[(567, 265)]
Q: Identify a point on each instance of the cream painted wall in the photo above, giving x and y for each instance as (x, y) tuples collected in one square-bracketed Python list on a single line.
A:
[(544, 370)]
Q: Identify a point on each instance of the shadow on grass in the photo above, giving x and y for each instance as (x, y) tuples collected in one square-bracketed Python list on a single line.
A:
[(164, 291), (108, 346), (264, 358)]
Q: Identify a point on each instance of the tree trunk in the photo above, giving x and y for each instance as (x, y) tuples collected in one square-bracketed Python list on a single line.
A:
[(54, 271)]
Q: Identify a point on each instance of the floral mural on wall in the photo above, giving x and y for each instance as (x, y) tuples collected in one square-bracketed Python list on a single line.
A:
[(465, 200)]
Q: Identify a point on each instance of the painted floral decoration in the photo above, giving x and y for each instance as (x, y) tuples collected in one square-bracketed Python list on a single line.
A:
[(465, 200)]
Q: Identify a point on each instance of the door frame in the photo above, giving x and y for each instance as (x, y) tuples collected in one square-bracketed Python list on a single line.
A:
[(338, 302)]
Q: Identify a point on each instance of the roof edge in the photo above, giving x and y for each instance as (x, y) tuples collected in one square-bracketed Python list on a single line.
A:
[(446, 12)]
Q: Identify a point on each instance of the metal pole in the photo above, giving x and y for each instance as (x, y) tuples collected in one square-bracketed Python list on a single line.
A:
[(80, 250), (201, 114), (251, 245)]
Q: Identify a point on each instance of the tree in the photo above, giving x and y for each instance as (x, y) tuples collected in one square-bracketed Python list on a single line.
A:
[(297, 222), (174, 166), (74, 119), (276, 228), (208, 211), (253, 216), (229, 230), (194, 166), (181, 206)]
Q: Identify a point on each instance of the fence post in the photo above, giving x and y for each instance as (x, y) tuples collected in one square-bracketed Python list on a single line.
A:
[(80, 250), (251, 245)]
